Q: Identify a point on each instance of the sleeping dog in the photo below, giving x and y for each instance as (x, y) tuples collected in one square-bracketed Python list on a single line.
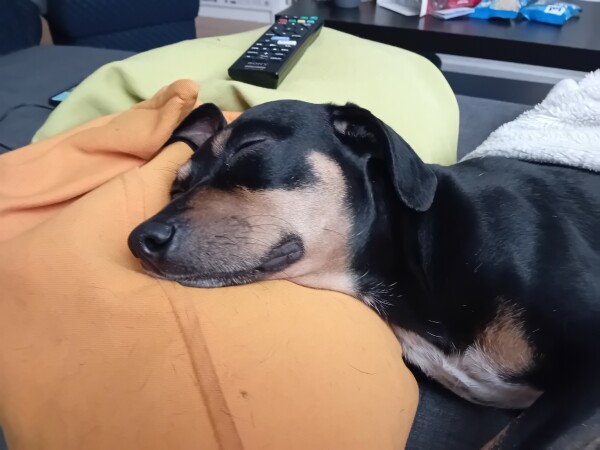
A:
[(488, 271)]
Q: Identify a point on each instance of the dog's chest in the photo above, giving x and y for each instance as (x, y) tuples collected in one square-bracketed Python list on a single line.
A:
[(471, 374)]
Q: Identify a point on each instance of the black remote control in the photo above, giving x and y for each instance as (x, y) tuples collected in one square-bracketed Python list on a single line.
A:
[(267, 62)]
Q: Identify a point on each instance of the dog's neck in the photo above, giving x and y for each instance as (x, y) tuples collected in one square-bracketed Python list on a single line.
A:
[(401, 265), (389, 267)]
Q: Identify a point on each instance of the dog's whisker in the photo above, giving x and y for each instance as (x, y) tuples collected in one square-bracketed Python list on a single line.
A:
[(358, 234), (271, 216), (335, 232), (363, 275), (434, 335), (258, 225), (253, 240), (231, 241)]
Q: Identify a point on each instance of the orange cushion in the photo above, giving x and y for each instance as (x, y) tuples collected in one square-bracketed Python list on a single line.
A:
[(94, 354)]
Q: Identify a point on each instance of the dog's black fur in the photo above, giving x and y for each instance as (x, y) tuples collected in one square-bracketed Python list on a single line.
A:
[(453, 246)]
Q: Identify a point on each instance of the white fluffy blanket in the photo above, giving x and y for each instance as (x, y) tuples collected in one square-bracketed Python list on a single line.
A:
[(564, 129)]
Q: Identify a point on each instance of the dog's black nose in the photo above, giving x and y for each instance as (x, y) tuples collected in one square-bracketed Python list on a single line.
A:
[(151, 240)]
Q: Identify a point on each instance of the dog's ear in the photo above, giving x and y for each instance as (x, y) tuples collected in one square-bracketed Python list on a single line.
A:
[(199, 126), (413, 181)]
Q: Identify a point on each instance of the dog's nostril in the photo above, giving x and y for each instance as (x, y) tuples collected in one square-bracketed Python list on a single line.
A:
[(155, 242), (151, 239)]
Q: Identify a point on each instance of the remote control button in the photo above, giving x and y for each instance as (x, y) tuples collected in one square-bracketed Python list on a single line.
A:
[(274, 58), (287, 43), (302, 21), (269, 34), (282, 21), (301, 29), (310, 22), (259, 44), (304, 17), (251, 53), (254, 47), (296, 36), (280, 38), (286, 50), (279, 54), (292, 21), (314, 17)]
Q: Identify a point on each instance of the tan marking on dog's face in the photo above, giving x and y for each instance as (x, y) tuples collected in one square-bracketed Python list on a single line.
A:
[(325, 231), (219, 141), (234, 230)]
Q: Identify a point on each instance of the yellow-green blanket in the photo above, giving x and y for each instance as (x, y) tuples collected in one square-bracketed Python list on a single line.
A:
[(402, 88)]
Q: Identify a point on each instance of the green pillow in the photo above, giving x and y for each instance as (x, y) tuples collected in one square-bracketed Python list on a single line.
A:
[(403, 89)]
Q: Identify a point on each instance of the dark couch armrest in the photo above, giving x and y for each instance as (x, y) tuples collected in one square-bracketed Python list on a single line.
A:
[(135, 25), (20, 25)]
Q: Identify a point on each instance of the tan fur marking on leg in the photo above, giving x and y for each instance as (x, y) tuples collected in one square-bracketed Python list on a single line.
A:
[(505, 342), (479, 372)]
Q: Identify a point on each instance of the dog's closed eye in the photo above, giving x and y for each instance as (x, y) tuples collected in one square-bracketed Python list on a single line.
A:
[(179, 187), (245, 147), (249, 143)]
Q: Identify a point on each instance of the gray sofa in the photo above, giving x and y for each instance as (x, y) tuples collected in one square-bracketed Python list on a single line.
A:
[(30, 76)]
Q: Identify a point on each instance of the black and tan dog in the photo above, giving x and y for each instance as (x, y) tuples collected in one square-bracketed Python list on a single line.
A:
[(488, 271)]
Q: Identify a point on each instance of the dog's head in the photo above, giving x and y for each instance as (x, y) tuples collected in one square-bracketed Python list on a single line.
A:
[(290, 190)]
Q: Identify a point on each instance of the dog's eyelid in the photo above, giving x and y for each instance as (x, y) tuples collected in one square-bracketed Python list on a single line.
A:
[(183, 184), (249, 142), (243, 147), (176, 190)]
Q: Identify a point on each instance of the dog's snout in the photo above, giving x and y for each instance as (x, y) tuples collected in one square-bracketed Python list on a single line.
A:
[(151, 240)]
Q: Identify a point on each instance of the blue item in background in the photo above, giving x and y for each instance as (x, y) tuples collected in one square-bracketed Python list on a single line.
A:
[(504, 9), (556, 13), (59, 98)]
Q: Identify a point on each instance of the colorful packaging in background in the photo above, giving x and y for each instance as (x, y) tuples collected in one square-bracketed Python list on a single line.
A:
[(423, 7), (437, 5), (556, 13), (452, 13), (505, 9)]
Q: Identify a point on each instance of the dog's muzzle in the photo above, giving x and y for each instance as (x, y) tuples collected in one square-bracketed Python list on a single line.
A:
[(163, 252)]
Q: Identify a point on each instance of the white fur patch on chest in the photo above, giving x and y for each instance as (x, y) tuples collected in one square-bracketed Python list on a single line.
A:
[(471, 374)]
